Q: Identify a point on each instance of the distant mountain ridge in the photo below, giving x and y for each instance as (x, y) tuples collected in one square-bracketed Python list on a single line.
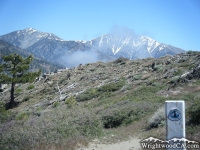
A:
[(132, 47), (104, 48), (27, 37)]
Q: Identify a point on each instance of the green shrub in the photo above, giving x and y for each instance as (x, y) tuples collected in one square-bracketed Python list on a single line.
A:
[(188, 96), (119, 118), (137, 77), (22, 116), (189, 52), (18, 90), (146, 93), (182, 60), (150, 82), (92, 69), (120, 60), (101, 92), (194, 112), (192, 52), (111, 87), (191, 66), (30, 87), (4, 114), (123, 113), (90, 126), (158, 119), (158, 67), (87, 95), (55, 104), (178, 72), (65, 78), (26, 98), (184, 64), (198, 82), (71, 101), (174, 79)]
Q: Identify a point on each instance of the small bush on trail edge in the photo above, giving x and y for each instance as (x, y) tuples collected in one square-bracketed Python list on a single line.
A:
[(194, 112), (123, 113), (157, 119)]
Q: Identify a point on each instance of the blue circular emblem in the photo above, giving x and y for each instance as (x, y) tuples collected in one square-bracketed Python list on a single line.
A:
[(174, 115)]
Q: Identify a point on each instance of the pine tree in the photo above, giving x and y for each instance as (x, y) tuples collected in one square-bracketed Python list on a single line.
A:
[(15, 70)]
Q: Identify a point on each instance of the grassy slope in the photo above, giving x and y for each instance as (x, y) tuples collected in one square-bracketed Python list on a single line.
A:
[(110, 101)]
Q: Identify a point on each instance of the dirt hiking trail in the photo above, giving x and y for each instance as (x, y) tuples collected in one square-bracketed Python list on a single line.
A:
[(131, 144)]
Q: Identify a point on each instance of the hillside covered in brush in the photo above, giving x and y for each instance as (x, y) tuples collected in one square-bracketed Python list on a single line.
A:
[(107, 101)]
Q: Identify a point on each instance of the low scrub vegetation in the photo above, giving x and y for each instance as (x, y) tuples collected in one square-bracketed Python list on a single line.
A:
[(124, 113), (157, 119), (71, 101), (30, 87), (101, 92), (54, 130), (22, 116), (194, 112), (121, 60), (18, 90), (158, 68), (5, 115)]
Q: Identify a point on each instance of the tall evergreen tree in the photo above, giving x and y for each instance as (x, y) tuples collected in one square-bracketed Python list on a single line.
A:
[(15, 70)]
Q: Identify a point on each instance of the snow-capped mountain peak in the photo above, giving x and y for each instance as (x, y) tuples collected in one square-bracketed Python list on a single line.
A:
[(151, 43), (30, 30), (27, 37), (107, 47)]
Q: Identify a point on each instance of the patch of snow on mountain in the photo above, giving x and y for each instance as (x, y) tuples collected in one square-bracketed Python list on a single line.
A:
[(101, 42), (126, 41), (113, 49), (162, 47), (118, 49), (151, 44), (108, 39)]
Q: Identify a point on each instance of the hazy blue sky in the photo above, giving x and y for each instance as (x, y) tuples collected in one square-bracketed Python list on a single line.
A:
[(174, 22)]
